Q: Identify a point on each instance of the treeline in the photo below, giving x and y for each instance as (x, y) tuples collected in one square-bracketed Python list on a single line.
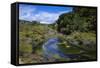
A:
[(81, 19), (28, 22)]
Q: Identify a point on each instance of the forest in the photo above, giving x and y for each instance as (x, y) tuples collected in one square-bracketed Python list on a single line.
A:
[(70, 38)]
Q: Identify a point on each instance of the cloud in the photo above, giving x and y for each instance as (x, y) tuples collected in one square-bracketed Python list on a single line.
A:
[(46, 17), (31, 13), (25, 12), (41, 16)]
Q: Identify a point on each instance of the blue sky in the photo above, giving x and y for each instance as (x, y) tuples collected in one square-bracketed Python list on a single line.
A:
[(43, 14)]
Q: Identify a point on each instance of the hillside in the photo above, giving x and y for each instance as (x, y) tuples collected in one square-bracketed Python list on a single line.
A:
[(76, 32)]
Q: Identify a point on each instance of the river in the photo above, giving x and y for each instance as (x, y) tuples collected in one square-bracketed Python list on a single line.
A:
[(50, 48)]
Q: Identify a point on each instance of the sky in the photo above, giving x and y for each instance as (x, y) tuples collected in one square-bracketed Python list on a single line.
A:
[(40, 13)]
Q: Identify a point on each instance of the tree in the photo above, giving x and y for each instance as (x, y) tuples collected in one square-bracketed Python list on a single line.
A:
[(81, 19)]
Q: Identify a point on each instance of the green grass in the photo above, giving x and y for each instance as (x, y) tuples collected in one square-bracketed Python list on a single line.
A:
[(35, 35)]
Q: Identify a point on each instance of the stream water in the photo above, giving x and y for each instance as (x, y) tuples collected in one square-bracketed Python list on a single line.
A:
[(51, 48)]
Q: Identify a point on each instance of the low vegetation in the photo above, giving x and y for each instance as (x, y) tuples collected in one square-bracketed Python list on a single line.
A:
[(76, 31)]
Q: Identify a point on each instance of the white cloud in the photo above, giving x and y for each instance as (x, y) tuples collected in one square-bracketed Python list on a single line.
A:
[(43, 22), (46, 17), (26, 12), (30, 13)]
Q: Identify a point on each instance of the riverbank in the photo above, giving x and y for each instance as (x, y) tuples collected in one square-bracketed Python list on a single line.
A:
[(73, 47)]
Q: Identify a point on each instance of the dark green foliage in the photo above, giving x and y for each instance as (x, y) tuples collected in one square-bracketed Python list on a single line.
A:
[(80, 19)]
